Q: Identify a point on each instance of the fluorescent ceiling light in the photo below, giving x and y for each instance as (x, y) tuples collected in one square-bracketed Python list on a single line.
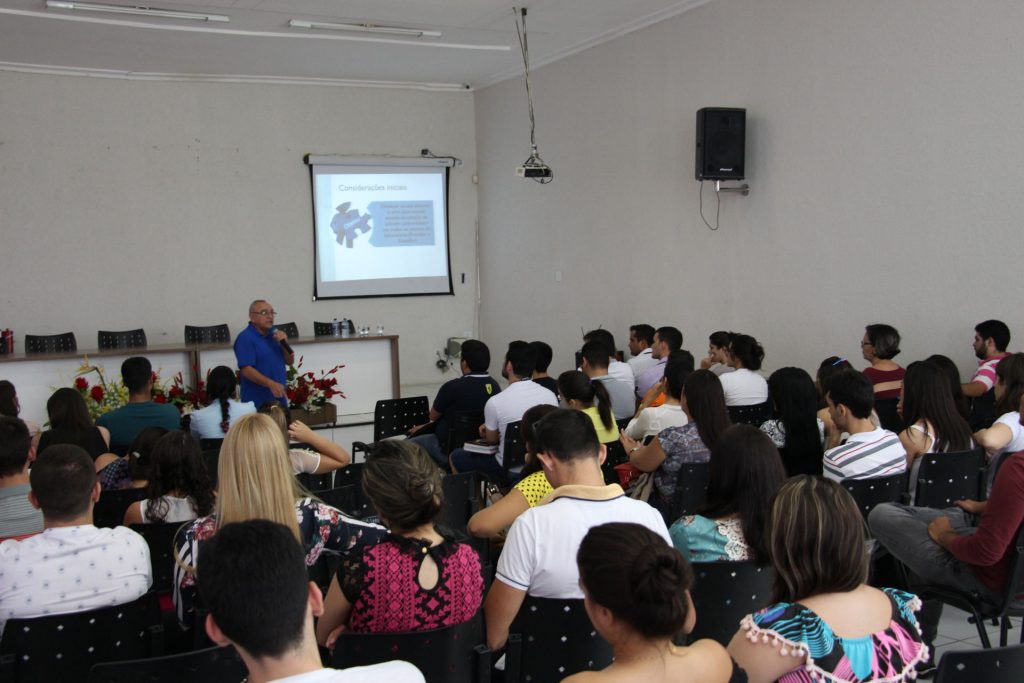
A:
[(365, 28), (143, 11)]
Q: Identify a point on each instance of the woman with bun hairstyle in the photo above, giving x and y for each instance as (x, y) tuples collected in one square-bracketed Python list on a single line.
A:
[(636, 591), (213, 421), (826, 623), (417, 578), (744, 386), (881, 343), (591, 397)]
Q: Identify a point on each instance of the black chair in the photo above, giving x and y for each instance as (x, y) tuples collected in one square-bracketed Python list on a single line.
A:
[(514, 450), (109, 510), (947, 477), (323, 329), (461, 499), (1002, 665), (210, 444), (212, 665), (352, 475), (888, 415), (869, 493), (50, 343), (754, 414), (622, 423), (725, 592), (341, 497), (160, 539), (452, 653), (291, 330), (211, 458), (616, 455), (464, 426), (64, 647), (691, 491), (395, 416), (552, 639), (315, 482), (1011, 603), (211, 334), (127, 339)]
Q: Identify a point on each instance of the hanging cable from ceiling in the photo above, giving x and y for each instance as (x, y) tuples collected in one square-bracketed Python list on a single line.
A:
[(534, 167)]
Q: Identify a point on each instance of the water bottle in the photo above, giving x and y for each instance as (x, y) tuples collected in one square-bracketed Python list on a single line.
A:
[(345, 325), (335, 328)]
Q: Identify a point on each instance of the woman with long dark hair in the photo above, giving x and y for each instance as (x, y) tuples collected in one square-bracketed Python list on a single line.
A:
[(179, 488), (591, 397), (70, 423), (795, 428), (952, 373), (10, 406), (213, 421), (744, 475)]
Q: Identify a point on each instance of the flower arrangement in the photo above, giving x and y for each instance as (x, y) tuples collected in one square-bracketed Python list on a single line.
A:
[(106, 395), (308, 392)]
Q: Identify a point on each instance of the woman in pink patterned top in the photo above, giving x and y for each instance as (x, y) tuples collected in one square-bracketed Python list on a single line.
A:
[(416, 579)]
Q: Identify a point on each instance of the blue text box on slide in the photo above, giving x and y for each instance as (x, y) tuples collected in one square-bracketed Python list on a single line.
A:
[(402, 224)]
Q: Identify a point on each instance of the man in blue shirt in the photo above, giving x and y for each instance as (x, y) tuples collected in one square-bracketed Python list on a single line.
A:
[(261, 358)]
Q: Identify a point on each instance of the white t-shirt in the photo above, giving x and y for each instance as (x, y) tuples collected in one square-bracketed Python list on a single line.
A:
[(641, 362), (205, 423), (744, 387), (388, 672), (540, 552), (622, 372), (652, 420), (1012, 422), (178, 509), (509, 406)]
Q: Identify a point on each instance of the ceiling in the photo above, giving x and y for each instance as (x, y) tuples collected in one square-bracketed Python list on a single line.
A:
[(478, 45)]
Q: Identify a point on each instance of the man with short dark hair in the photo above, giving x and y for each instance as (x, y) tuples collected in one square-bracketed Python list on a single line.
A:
[(641, 338), (991, 338), (17, 516), (616, 368), (261, 357), (666, 340), (870, 451), (539, 556), (469, 392), (543, 354), (594, 364), (255, 583), (72, 566), (141, 411)]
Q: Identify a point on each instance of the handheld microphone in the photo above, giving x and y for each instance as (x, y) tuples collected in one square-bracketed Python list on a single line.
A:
[(284, 342)]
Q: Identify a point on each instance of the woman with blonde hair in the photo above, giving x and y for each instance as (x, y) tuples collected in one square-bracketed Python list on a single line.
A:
[(254, 481)]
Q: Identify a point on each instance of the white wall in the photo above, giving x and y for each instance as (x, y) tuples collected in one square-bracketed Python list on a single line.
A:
[(883, 147), (153, 204)]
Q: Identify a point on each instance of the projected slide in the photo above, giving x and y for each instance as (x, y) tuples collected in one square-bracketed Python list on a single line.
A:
[(380, 231)]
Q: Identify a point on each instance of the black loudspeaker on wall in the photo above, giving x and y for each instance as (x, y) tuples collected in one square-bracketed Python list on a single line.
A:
[(721, 142)]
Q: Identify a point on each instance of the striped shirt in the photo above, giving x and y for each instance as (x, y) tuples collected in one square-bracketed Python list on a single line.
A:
[(986, 373), (866, 455)]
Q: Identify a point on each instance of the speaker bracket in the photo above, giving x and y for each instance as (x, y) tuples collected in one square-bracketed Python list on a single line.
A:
[(743, 189)]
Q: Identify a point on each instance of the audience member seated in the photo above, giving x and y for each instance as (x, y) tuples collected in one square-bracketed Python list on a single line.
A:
[(323, 456), (637, 594), (794, 427), (71, 566), (1006, 434), (126, 422), (589, 396), (952, 373), (179, 488), (871, 451), (616, 368), (933, 423), (744, 474), (495, 519), (652, 420), (70, 423), (539, 556), (641, 339), (666, 340), (991, 338), (11, 407), (17, 515), (417, 579), (880, 345), (828, 367), (543, 356), (744, 386), (470, 392), (501, 409), (707, 418), (826, 623), (594, 364), (213, 421), (967, 548), (717, 360), (261, 601), (254, 480), (131, 471)]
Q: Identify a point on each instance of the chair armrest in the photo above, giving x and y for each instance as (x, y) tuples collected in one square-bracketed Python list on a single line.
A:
[(482, 663), (513, 657)]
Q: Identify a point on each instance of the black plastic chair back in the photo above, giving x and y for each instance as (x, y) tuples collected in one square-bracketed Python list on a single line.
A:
[(352, 475), (213, 665), (983, 411), (211, 458), (464, 426), (869, 493), (160, 539), (315, 482), (398, 415), (340, 497), (976, 666), (211, 334), (754, 414), (888, 415), (514, 451), (947, 477), (461, 499), (616, 455), (691, 490), (452, 653), (211, 444), (126, 339), (552, 639), (291, 330), (622, 423), (109, 510), (323, 329), (64, 647), (724, 593), (51, 343)]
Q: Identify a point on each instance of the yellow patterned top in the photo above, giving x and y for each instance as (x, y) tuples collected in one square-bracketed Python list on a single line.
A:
[(534, 488)]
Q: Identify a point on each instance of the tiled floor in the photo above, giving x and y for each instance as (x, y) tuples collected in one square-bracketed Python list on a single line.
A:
[(956, 633)]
